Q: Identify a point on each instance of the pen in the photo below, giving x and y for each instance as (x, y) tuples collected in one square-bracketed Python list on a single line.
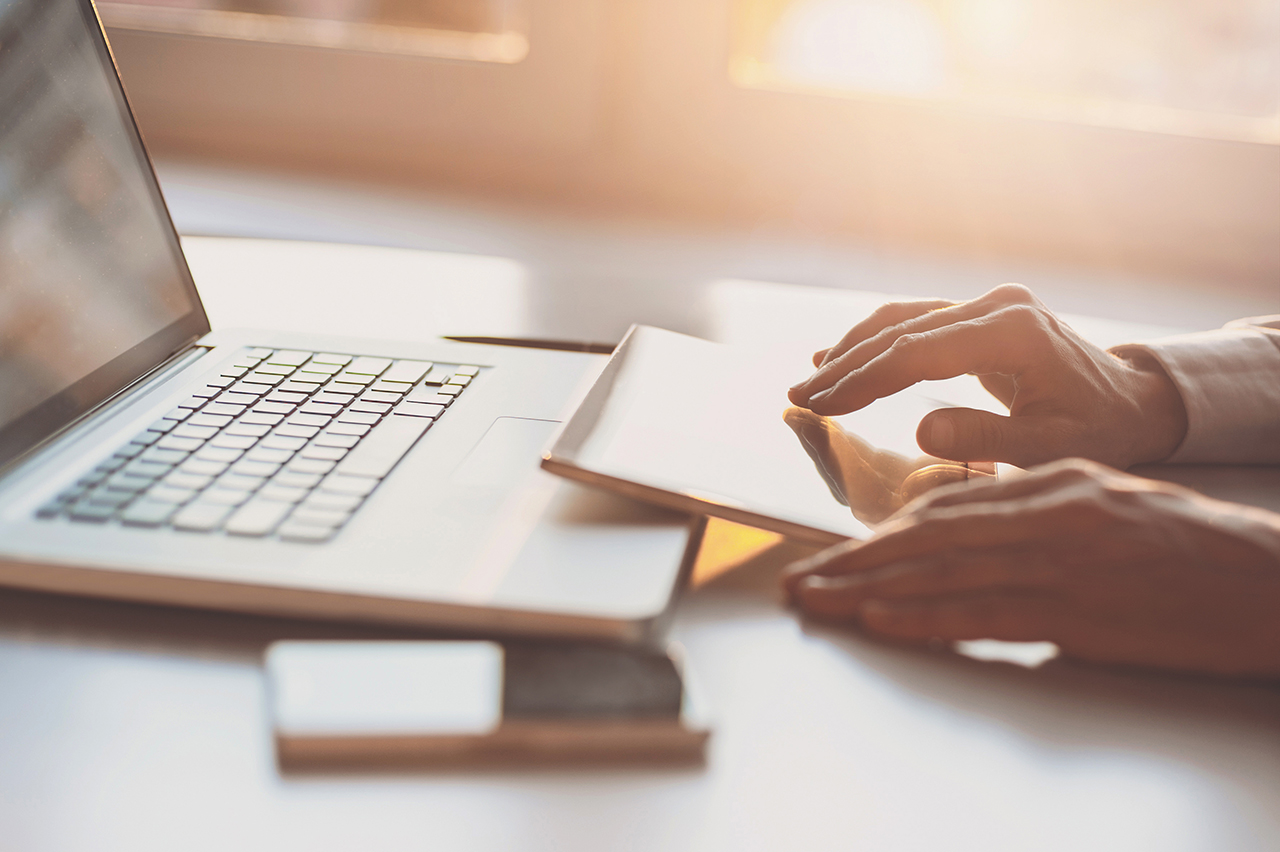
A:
[(536, 343)]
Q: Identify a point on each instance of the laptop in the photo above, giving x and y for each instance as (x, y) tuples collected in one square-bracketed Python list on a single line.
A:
[(145, 457)]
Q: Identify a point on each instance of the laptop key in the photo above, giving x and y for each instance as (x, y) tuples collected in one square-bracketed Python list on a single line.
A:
[(164, 424), (267, 406), (319, 517), (114, 463), (420, 409), (291, 357), (406, 371), (224, 455), (125, 482), (162, 456), (267, 454), (316, 466), (237, 398), (223, 408), (261, 418), (240, 481), (201, 516), (305, 533), (301, 419), (274, 369), (282, 493), (323, 453), (202, 467), (467, 370), (329, 439), (368, 365), (129, 451), (191, 430), (234, 442), (295, 386), (366, 418), (259, 378), (295, 479), (178, 414), (290, 430), (92, 512), (287, 397), (166, 494), (253, 430), (370, 407), (224, 496), (333, 501), (358, 486), (248, 467), (380, 396), (146, 469), (330, 358), (283, 442), (147, 513), (383, 447), (430, 395), (353, 429), (205, 419), (182, 480), (258, 517), (115, 499), (176, 442)]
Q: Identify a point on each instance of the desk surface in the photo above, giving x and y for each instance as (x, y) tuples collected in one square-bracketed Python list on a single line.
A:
[(137, 728)]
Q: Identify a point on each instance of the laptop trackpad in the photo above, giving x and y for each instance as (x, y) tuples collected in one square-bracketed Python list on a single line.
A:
[(508, 451)]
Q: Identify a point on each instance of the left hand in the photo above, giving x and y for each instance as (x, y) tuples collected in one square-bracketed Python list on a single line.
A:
[(1111, 567)]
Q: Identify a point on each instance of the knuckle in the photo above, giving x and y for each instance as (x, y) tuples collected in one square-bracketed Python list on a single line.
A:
[(1013, 294)]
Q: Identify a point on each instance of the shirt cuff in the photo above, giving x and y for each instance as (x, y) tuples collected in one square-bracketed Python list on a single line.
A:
[(1230, 384)]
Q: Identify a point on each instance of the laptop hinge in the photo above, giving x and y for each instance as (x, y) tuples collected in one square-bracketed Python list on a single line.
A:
[(175, 363)]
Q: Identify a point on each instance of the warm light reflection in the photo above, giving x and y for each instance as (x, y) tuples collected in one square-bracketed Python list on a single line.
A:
[(1177, 65)]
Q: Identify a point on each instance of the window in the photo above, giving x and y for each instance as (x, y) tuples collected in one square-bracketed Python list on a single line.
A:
[(1179, 66)]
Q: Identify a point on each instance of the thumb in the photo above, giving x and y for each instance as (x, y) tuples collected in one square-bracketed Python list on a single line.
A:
[(966, 434)]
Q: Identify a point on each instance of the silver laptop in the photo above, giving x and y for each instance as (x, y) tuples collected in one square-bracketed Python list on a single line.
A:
[(144, 457)]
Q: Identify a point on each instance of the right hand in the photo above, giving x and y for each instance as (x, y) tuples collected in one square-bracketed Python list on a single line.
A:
[(1066, 397)]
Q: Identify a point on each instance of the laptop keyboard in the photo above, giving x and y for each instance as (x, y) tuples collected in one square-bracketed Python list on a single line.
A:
[(284, 444)]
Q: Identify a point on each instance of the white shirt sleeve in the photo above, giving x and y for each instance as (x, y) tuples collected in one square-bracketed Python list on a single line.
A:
[(1230, 383)]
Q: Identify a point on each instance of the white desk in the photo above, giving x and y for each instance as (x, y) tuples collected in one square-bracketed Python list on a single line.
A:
[(142, 728)]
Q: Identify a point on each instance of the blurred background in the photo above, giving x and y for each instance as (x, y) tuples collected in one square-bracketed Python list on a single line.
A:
[(1120, 156)]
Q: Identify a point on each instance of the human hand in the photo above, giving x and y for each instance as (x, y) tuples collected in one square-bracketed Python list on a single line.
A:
[(1113, 568), (1066, 397)]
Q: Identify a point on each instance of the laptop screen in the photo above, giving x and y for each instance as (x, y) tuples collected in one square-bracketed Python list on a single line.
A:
[(94, 291)]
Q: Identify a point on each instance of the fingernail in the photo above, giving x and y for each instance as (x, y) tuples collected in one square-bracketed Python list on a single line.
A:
[(820, 395), (942, 433)]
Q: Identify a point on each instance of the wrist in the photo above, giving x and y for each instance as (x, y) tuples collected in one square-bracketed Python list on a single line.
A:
[(1163, 424)]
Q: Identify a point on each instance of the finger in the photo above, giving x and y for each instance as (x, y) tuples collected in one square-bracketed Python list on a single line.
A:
[(883, 317), (948, 574), (966, 434), (1032, 522), (837, 364), (1007, 341), (853, 353), (1008, 616)]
